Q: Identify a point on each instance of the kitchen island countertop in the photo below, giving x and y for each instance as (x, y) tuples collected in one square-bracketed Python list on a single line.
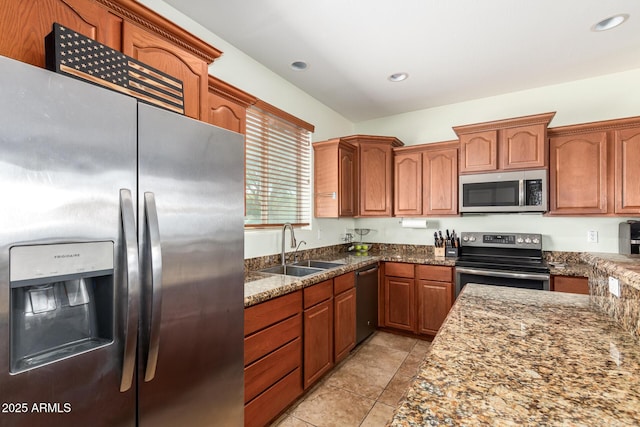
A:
[(510, 357)]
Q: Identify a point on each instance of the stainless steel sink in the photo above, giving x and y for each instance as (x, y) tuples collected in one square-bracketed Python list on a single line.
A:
[(319, 264), (291, 270)]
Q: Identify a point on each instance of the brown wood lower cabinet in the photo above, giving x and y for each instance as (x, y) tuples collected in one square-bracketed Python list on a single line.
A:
[(399, 297), (318, 331), (344, 321), (329, 325), (417, 298), (435, 296), (272, 357), (571, 284)]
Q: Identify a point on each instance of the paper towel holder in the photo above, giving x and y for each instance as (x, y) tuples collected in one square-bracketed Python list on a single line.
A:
[(414, 223)]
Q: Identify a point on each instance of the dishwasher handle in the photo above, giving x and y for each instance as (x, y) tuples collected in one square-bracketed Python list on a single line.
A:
[(372, 270)]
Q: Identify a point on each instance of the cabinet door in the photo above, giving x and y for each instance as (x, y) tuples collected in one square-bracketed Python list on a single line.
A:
[(325, 179), (344, 324), (375, 179), (440, 182), (407, 196), (523, 147), (318, 341), (226, 114), (347, 180), (627, 171), (478, 152), (578, 174), (434, 302), (26, 23), (399, 303), (171, 59)]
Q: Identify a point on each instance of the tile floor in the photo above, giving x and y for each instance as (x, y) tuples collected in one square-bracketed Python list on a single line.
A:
[(364, 389)]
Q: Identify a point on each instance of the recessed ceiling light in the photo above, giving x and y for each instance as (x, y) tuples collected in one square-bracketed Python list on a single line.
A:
[(398, 77), (611, 22), (299, 65)]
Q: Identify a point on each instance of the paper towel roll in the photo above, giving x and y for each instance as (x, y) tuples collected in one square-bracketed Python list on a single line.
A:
[(414, 223)]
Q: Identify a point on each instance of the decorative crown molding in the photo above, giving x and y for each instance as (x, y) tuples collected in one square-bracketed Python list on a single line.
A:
[(145, 17)]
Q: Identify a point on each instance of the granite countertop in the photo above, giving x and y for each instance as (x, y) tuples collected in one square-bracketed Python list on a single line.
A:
[(260, 287), (576, 269), (625, 267), (514, 357)]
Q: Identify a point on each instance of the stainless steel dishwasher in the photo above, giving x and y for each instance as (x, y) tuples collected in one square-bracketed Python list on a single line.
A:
[(366, 302)]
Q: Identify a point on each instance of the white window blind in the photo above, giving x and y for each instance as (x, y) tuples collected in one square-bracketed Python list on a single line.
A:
[(277, 168)]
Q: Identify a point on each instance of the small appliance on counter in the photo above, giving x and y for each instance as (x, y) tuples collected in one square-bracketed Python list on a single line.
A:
[(629, 237)]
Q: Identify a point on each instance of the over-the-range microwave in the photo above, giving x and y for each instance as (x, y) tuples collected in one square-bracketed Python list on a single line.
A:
[(519, 191)]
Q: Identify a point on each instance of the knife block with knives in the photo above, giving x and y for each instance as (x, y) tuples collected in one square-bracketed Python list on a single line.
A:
[(448, 246)]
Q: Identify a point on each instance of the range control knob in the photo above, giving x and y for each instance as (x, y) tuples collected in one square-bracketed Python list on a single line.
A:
[(536, 240), (465, 239), (519, 240), (472, 238), (527, 240)]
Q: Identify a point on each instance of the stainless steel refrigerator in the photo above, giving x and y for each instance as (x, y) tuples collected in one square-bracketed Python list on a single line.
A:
[(121, 259)]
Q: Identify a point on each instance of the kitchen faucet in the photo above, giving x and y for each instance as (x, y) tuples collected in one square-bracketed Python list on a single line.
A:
[(293, 239)]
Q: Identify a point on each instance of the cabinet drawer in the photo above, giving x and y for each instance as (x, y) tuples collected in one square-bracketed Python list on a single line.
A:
[(273, 401), (317, 293), (437, 273), (265, 372), (264, 342), (267, 313), (398, 269), (344, 283)]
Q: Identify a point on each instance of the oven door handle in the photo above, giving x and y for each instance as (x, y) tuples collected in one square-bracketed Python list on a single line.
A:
[(501, 273)]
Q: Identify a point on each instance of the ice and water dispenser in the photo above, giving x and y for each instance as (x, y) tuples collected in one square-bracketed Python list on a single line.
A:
[(61, 301)]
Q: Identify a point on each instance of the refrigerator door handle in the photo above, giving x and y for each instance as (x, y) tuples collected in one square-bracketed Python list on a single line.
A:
[(153, 230), (133, 289)]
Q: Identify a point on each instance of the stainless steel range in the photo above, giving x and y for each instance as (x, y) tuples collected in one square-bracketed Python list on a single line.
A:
[(503, 259)]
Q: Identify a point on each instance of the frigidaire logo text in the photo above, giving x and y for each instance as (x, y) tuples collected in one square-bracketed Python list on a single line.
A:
[(67, 256)]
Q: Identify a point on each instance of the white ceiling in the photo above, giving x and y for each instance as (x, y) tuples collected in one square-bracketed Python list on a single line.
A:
[(453, 50)]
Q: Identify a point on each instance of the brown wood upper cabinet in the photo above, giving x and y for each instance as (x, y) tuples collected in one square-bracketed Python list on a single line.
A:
[(163, 55), (510, 144), (335, 180), (227, 106), (353, 176), (627, 170), (26, 23), (426, 179), (593, 168), (124, 25)]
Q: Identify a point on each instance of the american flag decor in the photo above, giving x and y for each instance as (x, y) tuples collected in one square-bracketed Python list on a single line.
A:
[(73, 54)]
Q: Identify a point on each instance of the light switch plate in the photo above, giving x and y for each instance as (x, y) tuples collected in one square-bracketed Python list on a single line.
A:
[(592, 236), (614, 286)]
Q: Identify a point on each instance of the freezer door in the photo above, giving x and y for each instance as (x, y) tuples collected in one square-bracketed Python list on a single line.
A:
[(67, 148), (191, 235)]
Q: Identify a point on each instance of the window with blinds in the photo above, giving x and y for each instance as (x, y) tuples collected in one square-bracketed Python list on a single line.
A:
[(277, 169)]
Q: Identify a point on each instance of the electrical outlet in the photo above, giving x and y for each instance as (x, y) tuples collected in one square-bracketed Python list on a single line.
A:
[(614, 286), (592, 236)]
